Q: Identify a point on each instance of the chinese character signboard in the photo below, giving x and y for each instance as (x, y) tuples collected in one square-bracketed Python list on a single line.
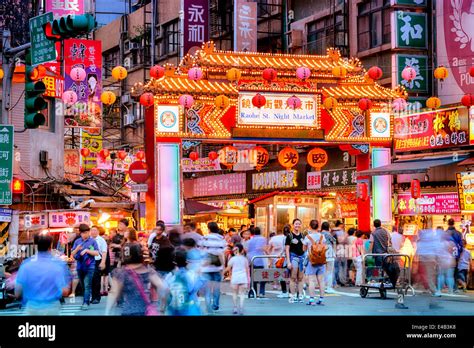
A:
[(5, 215), (455, 48), (431, 130), (33, 221), (270, 274), (87, 111), (200, 165), (409, 30), (465, 182), (276, 112), (6, 164), (419, 64), (54, 86), (195, 23), (331, 178), (428, 204), (91, 139), (346, 204), (245, 31), (69, 218), (273, 180), (72, 164), (61, 8), (225, 184), (42, 49)]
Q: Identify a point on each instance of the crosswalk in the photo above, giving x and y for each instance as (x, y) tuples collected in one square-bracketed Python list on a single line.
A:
[(67, 309)]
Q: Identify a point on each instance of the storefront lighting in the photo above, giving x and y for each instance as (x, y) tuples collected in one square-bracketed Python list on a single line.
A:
[(285, 206), (103, 218), (332, 194), (107, 225)]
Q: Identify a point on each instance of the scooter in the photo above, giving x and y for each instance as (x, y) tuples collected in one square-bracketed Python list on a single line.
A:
[(7, 293)]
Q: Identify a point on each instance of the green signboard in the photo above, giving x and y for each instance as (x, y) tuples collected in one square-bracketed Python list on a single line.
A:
[(6, 164), (418, 3), (42, 49), (410, 30), (420, 63)]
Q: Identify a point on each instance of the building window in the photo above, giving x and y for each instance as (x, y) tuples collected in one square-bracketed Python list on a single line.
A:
[(373, 24), (170, 42), (111, 59), (324, 33)]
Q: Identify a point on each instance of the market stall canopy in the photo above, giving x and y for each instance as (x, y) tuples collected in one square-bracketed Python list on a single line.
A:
[(413, 166), (193, 207)]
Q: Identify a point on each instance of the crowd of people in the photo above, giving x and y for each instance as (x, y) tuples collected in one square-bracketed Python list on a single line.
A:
[(169, 270)]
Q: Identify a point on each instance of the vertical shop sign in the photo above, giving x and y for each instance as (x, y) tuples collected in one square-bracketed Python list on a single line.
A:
[(420, 64), (381, 186), (471, 126), (410, 30), (91, 139), (6, 164), (195, 23), (61, 8), (455, 48), (72, 164), (245, 31), (87, 111)]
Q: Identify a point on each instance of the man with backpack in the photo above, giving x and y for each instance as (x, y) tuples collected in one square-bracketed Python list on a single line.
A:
[(315, 245), (214, 246)]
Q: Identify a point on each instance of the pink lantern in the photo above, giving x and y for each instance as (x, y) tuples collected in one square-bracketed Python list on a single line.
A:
[(69, 97), (186, 100), (78, 74), (195, 73), (293, 102), (399, 104), (408, 73), (303, 73)]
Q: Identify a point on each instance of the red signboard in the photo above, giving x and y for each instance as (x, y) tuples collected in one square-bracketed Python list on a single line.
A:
[(432, 130), (225, 184), (54, 86), (138, 172), (429, 204)]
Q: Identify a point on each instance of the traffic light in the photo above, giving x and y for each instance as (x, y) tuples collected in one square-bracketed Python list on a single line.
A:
[(34, 89), (18, 186), (69, 26)]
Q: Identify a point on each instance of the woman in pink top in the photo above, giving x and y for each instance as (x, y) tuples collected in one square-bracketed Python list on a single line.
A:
[(358, 252)]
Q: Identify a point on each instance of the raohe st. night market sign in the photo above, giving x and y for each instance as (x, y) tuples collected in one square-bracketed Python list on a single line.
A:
[(430, 130)]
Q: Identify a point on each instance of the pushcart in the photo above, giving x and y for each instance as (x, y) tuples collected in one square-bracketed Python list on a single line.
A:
[(376, 277)]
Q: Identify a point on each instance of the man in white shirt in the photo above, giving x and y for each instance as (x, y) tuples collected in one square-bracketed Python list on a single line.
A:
[(99, 263), (397, 240), (190, 232)]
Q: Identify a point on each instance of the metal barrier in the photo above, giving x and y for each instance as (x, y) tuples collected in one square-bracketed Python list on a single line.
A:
[(266, 274)]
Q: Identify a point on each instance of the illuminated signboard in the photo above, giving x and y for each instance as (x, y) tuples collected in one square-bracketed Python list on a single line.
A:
[(271, 180), (276, 112), (428, 204), (54, 86), (465, 182)]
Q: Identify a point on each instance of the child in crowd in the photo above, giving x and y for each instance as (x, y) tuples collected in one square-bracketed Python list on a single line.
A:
[(240, 278), (463, 266)]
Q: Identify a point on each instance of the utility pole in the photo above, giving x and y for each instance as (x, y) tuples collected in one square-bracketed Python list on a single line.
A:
[(9, 56)]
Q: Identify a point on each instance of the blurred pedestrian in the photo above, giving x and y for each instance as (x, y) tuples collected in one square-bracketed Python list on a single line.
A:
[(213, 244), (427, 249), (84, 252), (257, 246), (464, 266), (379, 241), (240, 278), (350, 254), (131, 283), (100, 262), (315, 272), (358, 252), (190, 232), (446, 262), (117, 242), (331, 243), (277, 247), (340, 265), (42, 280), (295, 255)]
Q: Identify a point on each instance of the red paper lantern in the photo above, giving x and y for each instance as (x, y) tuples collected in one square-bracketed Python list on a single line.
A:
[(228, 156), (365, 104), (194, 156), (269, 74), (140, 155), (467, 100), (415, 188), (85, 152), (375, 73), (471, 71), (157, 72), (363, 191), (122, 154), (104, 153), (259, 100), (146, 99), (213, 155), (95, 171), (293, 102)]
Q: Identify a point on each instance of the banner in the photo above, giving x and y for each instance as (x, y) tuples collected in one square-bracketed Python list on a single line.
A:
[(465, 182), (72, 164), (428, 204), (195, 24), (65, 7), (68, 218), (346, 204), (245, 29), (117, 165), (226, 184), (90, 139), (331, 178), (87, 111), (33, 221), (200, 165), (430, 130), (455, 48)]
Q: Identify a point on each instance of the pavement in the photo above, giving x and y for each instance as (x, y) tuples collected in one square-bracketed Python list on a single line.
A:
[(345, 301)]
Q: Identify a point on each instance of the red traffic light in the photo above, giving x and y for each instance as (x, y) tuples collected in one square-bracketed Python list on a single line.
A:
[(48, 32), (18, 186)]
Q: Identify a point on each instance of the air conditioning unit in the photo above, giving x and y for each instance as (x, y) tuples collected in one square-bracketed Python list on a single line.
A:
[(130, 46), (125, 99), (128, 119), (295, 38), (134, 46), (127, 63)]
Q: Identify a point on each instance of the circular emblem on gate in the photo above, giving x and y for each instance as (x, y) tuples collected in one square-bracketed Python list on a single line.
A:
[(168, 119), (380, 125)]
